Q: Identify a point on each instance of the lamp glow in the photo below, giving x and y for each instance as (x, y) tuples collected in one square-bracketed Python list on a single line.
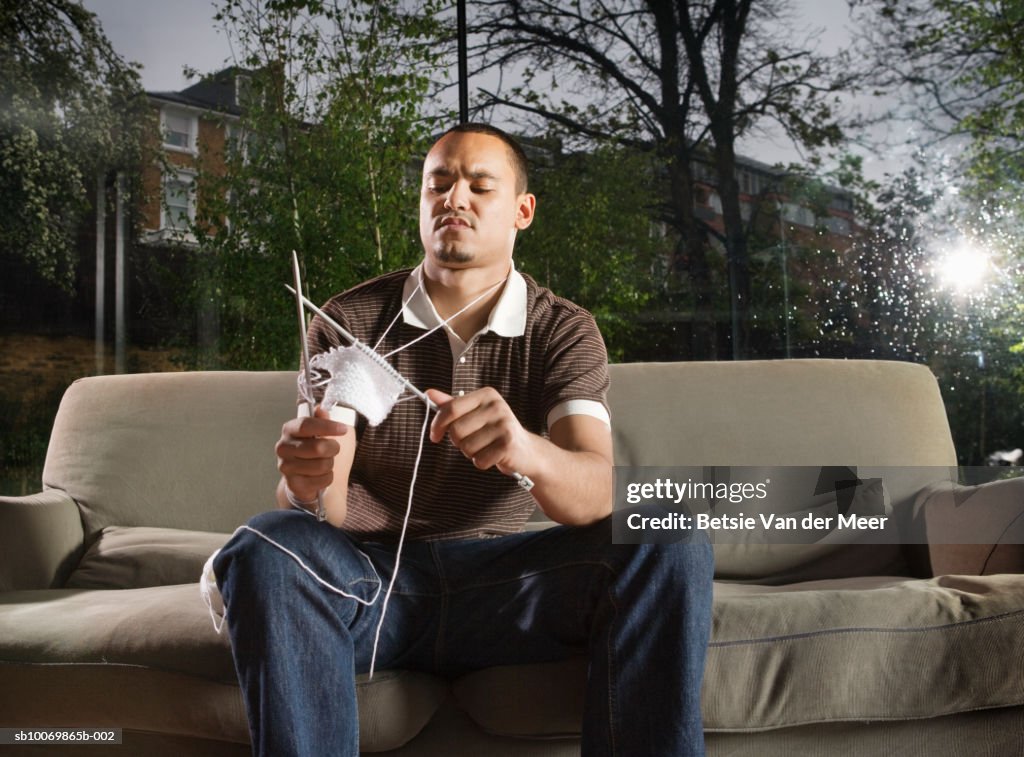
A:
[(965, 268)]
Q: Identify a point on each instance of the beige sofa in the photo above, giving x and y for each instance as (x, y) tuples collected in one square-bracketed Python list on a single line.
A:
[(821, 649)]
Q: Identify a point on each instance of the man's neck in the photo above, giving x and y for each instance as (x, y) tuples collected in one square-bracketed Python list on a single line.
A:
[(450, 290)]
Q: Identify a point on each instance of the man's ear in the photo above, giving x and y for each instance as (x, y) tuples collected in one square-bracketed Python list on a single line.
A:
[(526, 204)]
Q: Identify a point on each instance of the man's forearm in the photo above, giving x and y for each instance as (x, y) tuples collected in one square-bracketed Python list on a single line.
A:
[(571, 487)]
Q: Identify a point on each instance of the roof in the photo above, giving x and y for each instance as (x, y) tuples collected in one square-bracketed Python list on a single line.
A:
[(218, 92)]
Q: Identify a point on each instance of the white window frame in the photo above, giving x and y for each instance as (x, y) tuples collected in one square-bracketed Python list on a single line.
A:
[(193, 127), (183, 175)]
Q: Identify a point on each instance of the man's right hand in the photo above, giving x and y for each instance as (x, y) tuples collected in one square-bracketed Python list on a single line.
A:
[(306, 454)]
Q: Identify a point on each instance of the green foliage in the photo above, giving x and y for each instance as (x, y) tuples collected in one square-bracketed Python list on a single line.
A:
[(70, 110), (593, 241), (320, 163), (964, 62)]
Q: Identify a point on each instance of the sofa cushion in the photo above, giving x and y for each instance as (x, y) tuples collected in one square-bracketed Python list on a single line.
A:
[(808, 555), (209, 467), (975, 530), (538, 701), (863, 649), (878, 648), (780, 412), (137, 644), (136, 557)]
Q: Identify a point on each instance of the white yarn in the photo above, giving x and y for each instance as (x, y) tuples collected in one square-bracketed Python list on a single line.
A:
[(356, 380), (401, 541)]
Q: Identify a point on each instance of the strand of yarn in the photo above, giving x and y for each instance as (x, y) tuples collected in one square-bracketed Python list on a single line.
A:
[(405, 302), (447, 320), (401, 541)]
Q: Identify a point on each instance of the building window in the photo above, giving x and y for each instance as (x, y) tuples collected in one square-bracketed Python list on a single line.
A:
[(798, 214), (179, 129), (179, 202)]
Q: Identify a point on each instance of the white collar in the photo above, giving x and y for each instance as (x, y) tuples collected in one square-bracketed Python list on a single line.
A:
[(507, 317)]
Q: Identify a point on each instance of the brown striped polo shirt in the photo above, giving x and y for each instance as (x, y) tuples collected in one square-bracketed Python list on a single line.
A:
[(559, 357)]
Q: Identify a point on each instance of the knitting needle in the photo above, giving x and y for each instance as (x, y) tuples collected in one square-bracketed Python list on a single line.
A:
[(525, 482), (321, 511)]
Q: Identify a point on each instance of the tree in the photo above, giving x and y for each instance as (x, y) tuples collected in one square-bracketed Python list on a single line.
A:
[(593, 240), (70, 110), (319, 163), (681, 81), (958, 64)]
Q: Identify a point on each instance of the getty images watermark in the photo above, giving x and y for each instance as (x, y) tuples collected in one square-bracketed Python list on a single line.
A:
[(817, 504)]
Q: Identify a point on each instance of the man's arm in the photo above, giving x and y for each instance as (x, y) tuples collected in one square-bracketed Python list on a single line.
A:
[(571, 471), (313, 455)]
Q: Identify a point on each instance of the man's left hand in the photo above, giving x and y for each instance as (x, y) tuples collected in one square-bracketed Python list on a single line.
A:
[(483, 427)]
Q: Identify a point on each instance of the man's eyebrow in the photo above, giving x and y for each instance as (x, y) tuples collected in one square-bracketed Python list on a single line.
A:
[(448, 173)]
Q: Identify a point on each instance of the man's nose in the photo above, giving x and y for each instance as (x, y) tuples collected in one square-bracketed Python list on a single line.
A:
[(457, 197)]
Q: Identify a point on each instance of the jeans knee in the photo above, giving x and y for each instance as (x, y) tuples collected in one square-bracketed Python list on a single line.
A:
[(277, 551)]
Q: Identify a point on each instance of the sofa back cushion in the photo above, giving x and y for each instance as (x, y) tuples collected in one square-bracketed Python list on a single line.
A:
[(171, 450), (195, 450), (881, 419)]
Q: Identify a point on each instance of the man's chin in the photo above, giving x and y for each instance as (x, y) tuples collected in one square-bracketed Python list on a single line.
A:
[(453, 256)]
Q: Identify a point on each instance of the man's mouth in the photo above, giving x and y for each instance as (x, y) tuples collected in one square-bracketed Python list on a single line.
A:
[(453, 221)]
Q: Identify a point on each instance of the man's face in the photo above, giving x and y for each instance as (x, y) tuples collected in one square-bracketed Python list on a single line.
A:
[(469, 207)]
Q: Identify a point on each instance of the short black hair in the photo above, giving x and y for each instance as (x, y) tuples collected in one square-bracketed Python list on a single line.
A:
[(517, 157)]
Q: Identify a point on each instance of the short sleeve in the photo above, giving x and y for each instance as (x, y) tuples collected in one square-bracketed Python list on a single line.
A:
[(576, 363)]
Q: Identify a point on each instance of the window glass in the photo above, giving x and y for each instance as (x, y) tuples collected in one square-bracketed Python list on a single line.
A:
[(178, 201), (177, 130)]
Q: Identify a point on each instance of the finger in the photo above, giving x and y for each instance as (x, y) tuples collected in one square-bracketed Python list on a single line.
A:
[(466, 426), (307, 427), (304, 468), (438, 397), (485, 447), (449, 410), (309, 448)]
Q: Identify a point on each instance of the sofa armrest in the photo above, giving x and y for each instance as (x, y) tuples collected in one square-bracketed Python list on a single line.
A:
[(41, 539), (969, 530)]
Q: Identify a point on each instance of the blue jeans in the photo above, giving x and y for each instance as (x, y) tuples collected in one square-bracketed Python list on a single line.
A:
[(640, 612)]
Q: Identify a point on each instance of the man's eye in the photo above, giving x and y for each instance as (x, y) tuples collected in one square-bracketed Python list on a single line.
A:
[(437, 189), (482, 190)]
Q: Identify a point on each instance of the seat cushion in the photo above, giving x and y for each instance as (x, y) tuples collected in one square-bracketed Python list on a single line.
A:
[(127, 557), (149, 659), (856, 649), (863, 649)]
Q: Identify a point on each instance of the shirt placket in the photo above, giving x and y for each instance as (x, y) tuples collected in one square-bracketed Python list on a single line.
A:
[(462, 375)]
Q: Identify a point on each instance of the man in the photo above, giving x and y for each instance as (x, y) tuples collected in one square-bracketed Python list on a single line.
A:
[(520, 379)]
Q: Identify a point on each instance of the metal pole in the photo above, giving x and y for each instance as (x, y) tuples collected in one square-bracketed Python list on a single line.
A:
[(119, 283), (101, 270), (463, 62), (785, 278)]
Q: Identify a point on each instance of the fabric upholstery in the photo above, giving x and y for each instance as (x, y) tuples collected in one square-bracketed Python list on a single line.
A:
[(40, 540), (779, 412), (137, 557), (861, 649), (976, 530), (191, 459), (149, 659)]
